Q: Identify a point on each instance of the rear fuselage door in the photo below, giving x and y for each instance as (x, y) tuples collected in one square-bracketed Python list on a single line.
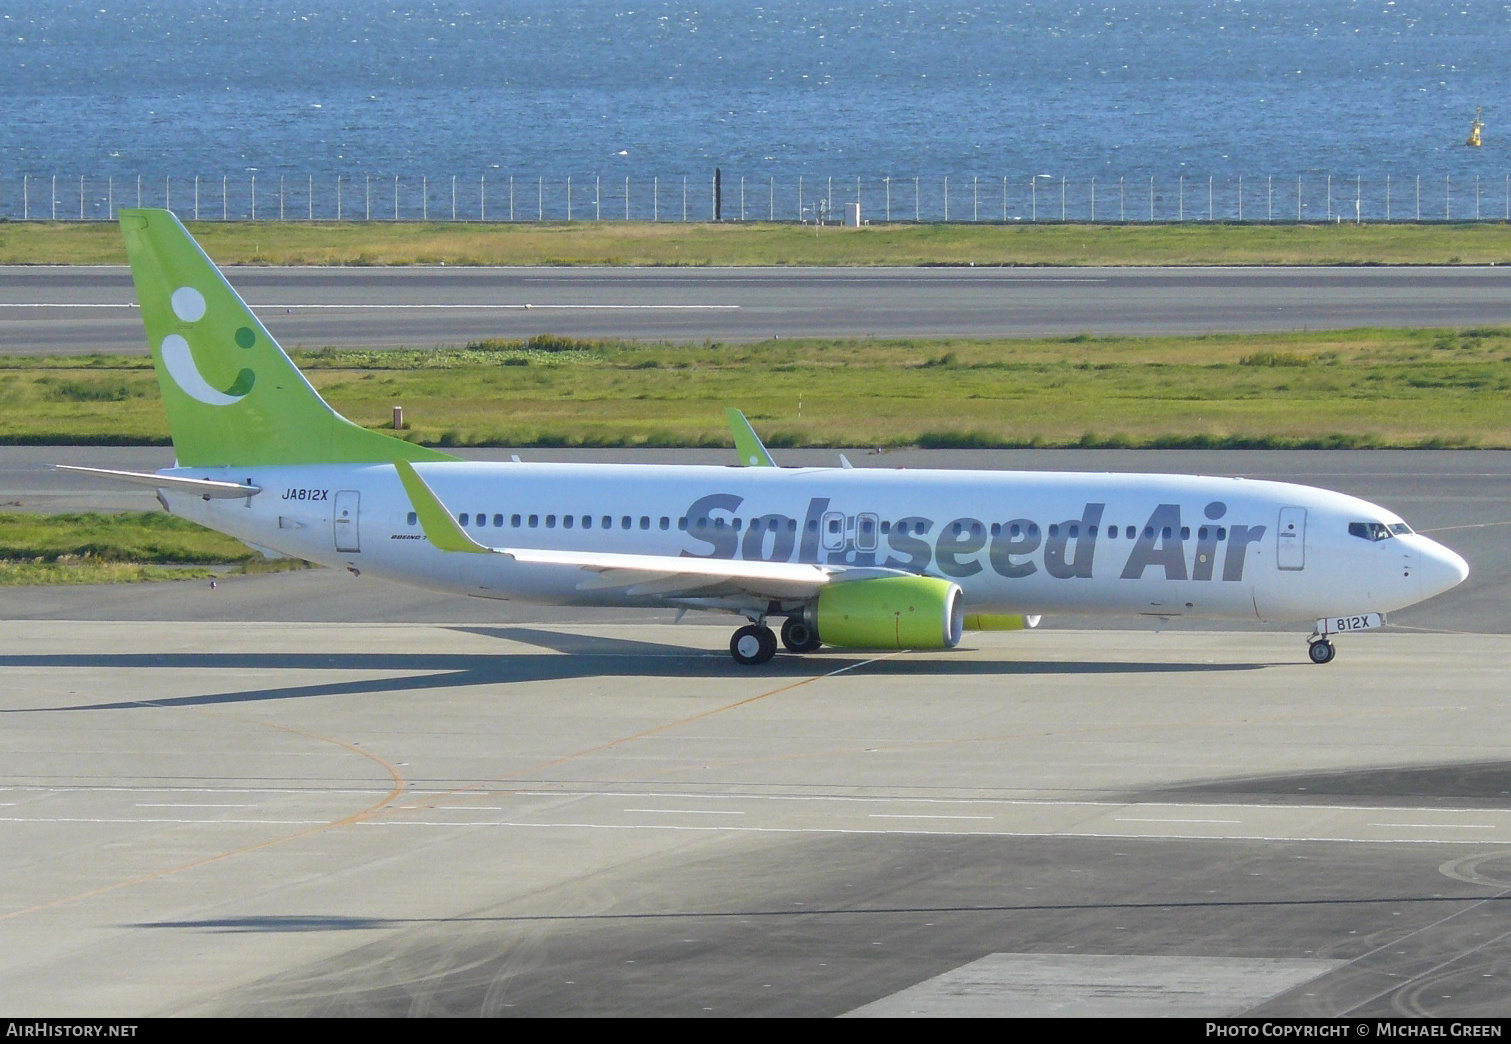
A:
[(1290, 539), (344, 520)]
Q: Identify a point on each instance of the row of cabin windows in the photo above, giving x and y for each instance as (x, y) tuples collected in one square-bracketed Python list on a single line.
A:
[(835, 526)]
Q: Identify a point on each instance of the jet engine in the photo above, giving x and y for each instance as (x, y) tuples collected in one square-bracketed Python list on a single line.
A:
[(890, 612)]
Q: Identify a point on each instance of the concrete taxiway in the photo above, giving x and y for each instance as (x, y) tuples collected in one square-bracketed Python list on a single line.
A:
[(72, 310), (315, 794)]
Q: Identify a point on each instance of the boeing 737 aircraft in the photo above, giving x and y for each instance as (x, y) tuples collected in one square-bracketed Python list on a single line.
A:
[(851, 558)]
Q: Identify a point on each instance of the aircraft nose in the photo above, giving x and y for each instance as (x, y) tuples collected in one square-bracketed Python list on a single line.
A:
[(1440, 569)]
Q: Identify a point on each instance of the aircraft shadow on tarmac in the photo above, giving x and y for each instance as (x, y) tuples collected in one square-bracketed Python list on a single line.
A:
[(569, 657), (272, 923), (1482, 784)]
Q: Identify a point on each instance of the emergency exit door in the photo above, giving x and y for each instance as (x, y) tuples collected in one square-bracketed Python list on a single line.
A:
[(344, 520)]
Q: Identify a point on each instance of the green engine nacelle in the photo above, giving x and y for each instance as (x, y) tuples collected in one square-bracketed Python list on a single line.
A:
[(891, 612)]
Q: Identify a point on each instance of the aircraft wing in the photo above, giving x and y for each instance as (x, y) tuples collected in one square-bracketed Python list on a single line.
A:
[(642, 574)]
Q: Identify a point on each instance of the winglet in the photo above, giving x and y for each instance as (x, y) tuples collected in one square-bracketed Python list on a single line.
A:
[(747, 443), (439, 527)]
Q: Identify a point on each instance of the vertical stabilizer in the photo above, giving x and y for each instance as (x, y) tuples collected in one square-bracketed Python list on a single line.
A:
[(232, 395)]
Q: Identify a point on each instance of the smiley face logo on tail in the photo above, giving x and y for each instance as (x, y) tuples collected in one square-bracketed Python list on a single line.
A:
[(178, 359)]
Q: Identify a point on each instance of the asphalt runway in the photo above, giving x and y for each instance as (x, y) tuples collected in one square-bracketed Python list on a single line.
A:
[(310, 793), (73, 310)]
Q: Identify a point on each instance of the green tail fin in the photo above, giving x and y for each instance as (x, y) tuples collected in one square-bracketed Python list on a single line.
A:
[(232, 395)]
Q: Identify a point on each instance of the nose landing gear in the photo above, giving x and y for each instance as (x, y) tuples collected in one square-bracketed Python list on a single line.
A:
[(1320, 650)]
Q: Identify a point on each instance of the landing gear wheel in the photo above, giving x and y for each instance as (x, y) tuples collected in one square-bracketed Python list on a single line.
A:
[(798, 637), (1321, 651), (752, 645)]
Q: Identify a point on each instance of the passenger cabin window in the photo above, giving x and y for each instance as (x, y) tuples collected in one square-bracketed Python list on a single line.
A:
[(1370, 530), (413, 518)]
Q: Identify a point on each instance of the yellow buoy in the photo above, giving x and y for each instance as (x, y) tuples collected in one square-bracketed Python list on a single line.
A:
[(1475, 128)]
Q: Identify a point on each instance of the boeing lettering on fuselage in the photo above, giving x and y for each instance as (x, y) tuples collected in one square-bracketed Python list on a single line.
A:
[(962, 547)]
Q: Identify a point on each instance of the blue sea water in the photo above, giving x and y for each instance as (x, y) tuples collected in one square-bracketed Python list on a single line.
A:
[(313, 89)]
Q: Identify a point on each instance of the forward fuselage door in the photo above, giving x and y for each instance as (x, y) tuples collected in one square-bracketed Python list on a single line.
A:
[(1290, 539), (344, 520)]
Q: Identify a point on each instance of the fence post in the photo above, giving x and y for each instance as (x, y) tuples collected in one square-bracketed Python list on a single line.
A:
[(25, 197), (1387, 199), (656, 198), (424, 197), (110, 196), (1419, 197), (1151, 198), (396, 197), (1122, 202), (54, 195), (224, 199), (81, 197), (139, 190), (627, 198), (771, 198), (540, 197), (311, 194), (1033, 198), (946, 199), (196, 197), (1209, 197), (482, 197), (684, 197), (1447, 197), (1476, 197), (597, 198), (1240, 199), (916, 218), (569, 199), (1269, 197), (338, 197), (453, 197), (1329, 197), (1298, 198), (1182, 211), (742, 198), (254, 195), (887, 182), (280, 197), (369, 212), (1358, 199), (1062, 198), (975, 197), (1093, 199), (800, 198)]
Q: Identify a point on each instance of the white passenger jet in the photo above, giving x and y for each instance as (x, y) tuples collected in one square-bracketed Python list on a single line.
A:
[(851, 558)]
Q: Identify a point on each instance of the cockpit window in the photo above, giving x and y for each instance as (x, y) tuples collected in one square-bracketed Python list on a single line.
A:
[(1370, 530), (1400, 528)]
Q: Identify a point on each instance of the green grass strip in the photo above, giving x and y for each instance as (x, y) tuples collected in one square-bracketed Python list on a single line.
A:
[(700, 244), (1353, 388)]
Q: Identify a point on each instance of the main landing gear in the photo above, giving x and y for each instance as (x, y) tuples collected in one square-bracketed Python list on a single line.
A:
[(799, 636), (754, 643), (1320, 650)]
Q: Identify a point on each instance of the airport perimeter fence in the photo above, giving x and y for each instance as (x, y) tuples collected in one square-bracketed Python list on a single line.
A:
[(999, 199)]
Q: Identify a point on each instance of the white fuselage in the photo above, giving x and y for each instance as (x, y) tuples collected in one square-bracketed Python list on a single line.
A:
[(1015, 542)]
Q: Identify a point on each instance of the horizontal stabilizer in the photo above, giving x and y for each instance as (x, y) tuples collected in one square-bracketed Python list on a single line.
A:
[(201, 487)]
